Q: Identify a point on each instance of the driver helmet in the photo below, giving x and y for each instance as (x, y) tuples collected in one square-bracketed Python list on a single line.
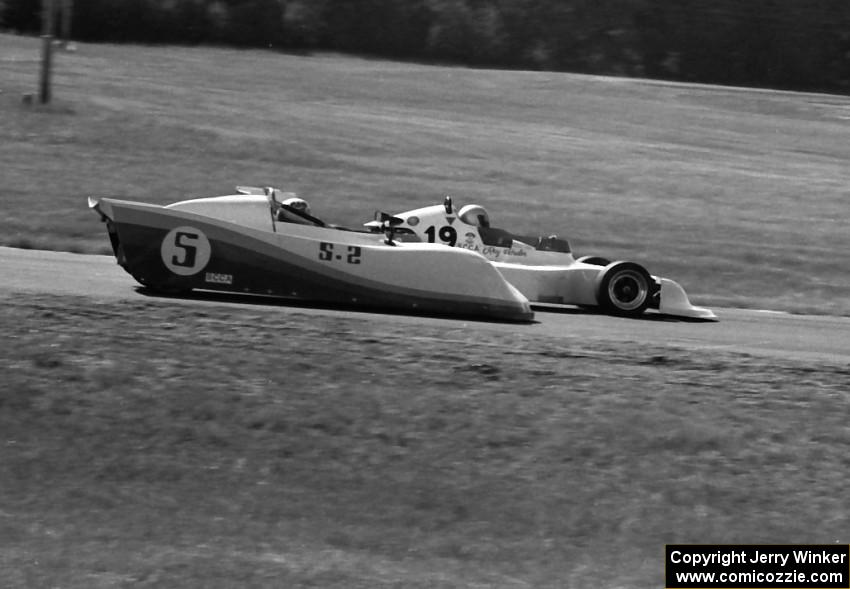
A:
[(299, 204), (474, 215)]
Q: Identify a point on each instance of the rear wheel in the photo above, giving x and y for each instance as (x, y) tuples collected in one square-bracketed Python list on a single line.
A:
[(624, 289)]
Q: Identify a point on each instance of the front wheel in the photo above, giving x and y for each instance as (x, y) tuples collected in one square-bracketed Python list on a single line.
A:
[(624, 289)]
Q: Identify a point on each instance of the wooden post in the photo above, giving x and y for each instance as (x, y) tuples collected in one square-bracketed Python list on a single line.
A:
[(47, 16)]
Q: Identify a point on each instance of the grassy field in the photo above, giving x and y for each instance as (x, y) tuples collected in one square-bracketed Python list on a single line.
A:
[(740, 195), (205, 448)]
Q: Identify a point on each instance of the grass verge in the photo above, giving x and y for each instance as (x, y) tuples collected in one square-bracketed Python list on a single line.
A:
[(148, 445)]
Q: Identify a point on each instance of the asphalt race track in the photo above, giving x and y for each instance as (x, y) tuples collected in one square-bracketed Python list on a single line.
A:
[(806, 337)]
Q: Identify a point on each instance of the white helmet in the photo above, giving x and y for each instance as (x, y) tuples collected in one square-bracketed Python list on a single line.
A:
[(299, 204), (474, 215)]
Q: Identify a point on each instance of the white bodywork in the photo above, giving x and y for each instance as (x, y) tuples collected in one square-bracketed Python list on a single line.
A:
[(553, 277), (413, 266)]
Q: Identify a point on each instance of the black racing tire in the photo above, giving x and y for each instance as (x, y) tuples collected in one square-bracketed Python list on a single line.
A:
[(595, 260), (624, 289)]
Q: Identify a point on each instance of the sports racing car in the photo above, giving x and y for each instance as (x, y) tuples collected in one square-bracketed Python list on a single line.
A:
[(266, 242)]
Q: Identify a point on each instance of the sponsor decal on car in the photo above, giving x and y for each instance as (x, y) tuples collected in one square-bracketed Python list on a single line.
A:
[(492, 251), (217, 278)]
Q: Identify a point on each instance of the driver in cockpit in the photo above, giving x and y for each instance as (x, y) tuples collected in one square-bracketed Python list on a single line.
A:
[(474, 215), (298, 204)]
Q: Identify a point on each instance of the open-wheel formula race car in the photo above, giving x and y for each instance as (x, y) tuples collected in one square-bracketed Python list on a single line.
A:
[(544, 269), (263, 241)]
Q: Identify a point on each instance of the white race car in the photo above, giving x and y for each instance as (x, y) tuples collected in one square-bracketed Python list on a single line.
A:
[(266, 242), (543, 268)]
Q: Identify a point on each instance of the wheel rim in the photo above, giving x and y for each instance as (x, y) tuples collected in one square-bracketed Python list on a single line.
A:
[(628, 290)]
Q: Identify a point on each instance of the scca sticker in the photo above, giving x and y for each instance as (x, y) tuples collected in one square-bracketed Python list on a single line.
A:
[(185, 251)]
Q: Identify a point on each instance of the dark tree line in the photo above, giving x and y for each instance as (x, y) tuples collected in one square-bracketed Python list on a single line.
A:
[(776, 43)]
